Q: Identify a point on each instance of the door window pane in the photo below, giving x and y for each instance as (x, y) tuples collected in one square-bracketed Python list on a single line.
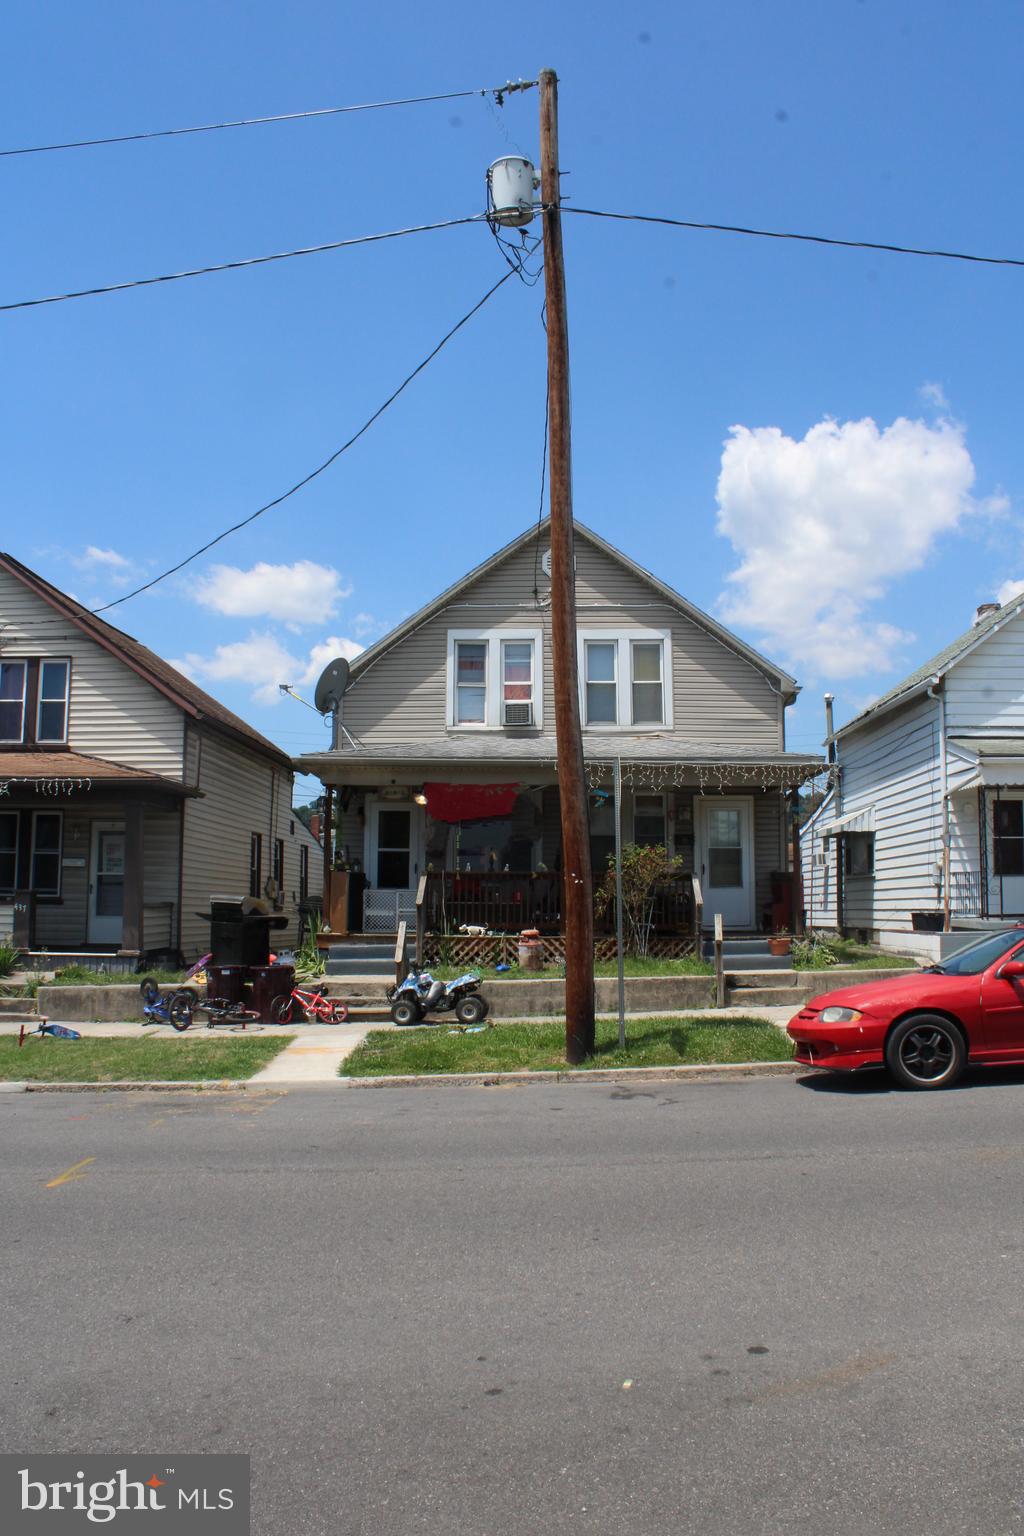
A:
[(725, 867), (393, 850), (600, 682), (470, 682), (8, 850), (648, 698), (52, 724), (46, 835), (725, 847), (12, 700), (110, 875)]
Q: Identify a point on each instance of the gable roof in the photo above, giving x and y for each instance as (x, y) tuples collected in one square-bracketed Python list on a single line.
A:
[(788, 685), (174, 685), (938, 665)]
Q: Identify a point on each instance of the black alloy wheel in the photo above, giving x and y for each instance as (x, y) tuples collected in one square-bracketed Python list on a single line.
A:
[(926, 1052)]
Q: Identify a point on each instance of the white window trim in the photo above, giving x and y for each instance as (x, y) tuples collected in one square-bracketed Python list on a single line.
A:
[(624, 639), (60, 854), (493, 713), (40, 701), (22, 662)]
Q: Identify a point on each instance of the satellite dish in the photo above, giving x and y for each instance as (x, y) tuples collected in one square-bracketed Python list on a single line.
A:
[(332, 685)]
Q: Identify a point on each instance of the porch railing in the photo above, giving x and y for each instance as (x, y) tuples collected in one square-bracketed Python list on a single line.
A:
[(965, 893), (506, 903)]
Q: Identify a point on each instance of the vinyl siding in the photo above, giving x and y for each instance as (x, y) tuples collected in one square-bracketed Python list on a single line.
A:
[(114, 713), (242, 793), (894, 766), (718, 696), (985, 690), (161, 836), (819, 880)]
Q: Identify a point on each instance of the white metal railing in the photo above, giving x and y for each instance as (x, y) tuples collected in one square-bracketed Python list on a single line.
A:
[(384, 910)]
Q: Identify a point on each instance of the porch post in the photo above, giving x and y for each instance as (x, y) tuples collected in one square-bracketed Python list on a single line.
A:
[(132, 929), (798, 875), (328, 852)]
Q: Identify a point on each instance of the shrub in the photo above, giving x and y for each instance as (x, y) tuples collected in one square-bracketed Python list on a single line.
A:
[(8, 959), (644, 869)]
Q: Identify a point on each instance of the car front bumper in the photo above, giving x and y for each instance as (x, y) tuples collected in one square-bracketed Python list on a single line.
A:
[(837, 1047)]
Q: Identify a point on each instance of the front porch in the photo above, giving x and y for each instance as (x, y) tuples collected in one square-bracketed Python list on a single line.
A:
[(490, 853), (89, 862)]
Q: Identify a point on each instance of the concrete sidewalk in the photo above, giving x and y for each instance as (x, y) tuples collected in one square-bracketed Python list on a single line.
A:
[(313, 1058)]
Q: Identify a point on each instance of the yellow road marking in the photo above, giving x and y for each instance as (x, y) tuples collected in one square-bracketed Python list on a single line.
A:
[(76, 1171)]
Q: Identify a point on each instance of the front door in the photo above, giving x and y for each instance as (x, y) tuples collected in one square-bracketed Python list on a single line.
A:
[(106, 883), (392, 865), (725, 858)]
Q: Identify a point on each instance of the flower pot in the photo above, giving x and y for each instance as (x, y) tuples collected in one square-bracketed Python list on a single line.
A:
[(779, 946)]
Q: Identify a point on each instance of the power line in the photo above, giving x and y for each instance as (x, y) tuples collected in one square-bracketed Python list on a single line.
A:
[(498, 91), (248, 261), (299, 484), (778, 234)]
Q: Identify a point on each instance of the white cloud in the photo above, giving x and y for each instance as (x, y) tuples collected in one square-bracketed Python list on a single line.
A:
[(934, 395), (300, 594), (261, 663), (1010, 589), (364, 624), (108, 565), (824, 526)]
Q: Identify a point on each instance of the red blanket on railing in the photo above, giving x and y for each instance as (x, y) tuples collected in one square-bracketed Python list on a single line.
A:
[(469, 802)]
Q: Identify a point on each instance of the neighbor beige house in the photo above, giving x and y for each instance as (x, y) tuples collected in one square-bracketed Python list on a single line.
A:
[(128, 796), (445, 763)]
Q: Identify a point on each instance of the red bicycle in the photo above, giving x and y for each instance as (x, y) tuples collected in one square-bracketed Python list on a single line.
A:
[(312, 1004)]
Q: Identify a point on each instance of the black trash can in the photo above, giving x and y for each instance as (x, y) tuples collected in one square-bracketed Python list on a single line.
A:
[(268, 982), (228, 982)]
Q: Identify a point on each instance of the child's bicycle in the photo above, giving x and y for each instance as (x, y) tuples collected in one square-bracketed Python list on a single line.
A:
[(219, 1010), (175, 1009), (312, 1003)]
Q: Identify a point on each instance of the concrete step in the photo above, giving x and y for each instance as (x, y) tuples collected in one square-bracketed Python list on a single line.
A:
[(362, 949), (759, 960), (764, 997), (360, 966), (774, 977), (20, 1007)]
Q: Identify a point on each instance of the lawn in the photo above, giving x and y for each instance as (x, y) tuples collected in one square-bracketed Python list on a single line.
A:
[(688, 965), (115, 1061), (848, 955), (650, 1042)]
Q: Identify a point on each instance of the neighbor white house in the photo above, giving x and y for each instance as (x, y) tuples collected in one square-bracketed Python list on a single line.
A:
[(922, 834)]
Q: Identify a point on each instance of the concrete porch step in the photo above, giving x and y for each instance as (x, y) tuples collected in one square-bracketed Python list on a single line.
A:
[(764, 997), (18, 1007), (360, 966), (754, 960), (744, 979)]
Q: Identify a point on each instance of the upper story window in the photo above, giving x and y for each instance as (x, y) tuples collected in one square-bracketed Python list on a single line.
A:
[(625, 678), (492, 678), (34, 701)]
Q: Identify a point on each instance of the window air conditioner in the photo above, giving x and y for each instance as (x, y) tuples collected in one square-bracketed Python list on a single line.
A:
[(518, 714)]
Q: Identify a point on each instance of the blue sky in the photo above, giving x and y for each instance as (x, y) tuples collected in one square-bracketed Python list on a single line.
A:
[(820, 446)]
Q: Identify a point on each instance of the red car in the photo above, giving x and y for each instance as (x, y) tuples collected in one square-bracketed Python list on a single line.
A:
[(927, 1025)]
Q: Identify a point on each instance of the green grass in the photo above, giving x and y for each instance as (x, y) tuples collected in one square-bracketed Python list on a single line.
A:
[(688, 965), (114, 1061), (848, 955), (650, 1042)]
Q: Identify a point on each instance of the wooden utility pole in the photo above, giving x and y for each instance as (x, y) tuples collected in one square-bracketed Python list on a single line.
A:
[(577, 887)]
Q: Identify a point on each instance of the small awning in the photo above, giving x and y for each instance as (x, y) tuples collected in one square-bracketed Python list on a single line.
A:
[(995, 760), (856, 821)]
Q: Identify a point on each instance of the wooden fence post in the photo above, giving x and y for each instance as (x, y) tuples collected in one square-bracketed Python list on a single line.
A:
[(719, 963)]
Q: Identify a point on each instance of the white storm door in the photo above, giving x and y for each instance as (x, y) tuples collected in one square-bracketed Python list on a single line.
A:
[(726, 858), (393, 835), (106, 883)]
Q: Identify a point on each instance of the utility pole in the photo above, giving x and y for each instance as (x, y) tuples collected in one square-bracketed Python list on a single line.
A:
[(577, 898)]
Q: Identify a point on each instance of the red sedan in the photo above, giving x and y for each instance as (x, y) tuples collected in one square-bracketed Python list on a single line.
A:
[(927, 1025)]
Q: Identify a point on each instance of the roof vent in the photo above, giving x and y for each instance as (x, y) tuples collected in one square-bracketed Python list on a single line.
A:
[(984, 609)]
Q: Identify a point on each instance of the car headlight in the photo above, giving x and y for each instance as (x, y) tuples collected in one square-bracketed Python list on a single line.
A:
[(839, 1015)]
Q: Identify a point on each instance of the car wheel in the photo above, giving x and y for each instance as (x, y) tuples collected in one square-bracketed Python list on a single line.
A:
[(926, 1052), (471, 1010), (405, 1011)]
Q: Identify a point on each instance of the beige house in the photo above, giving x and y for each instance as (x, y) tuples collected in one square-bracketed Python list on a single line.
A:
[(128, 796), (445, 757)]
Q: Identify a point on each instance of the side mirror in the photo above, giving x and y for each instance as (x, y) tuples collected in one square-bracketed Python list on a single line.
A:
[(1011, 970)]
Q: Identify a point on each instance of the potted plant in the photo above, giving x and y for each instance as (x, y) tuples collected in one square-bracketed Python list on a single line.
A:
[(780, 942)]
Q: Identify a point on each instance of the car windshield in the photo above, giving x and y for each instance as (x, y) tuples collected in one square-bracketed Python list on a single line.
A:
[(978, 957)]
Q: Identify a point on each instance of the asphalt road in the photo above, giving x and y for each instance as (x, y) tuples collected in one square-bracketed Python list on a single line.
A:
[(772, 1305)]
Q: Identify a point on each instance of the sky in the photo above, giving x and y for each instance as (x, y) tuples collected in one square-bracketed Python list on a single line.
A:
[(819, 446)]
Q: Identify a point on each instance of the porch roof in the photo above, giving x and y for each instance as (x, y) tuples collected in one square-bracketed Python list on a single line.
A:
[(479, 752), (996, 760), (77, 771)]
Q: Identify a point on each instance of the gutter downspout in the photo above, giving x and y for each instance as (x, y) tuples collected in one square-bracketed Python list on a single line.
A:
[(937, 691)]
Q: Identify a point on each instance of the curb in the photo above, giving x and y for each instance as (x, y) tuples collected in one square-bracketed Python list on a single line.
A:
[(580, 1075), (160, 1085)]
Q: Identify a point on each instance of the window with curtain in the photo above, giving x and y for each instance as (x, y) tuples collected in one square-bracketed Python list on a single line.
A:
[(470, 682), (648, 690), (600, 673), (12, 700), (517, 682), (52, 712)]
